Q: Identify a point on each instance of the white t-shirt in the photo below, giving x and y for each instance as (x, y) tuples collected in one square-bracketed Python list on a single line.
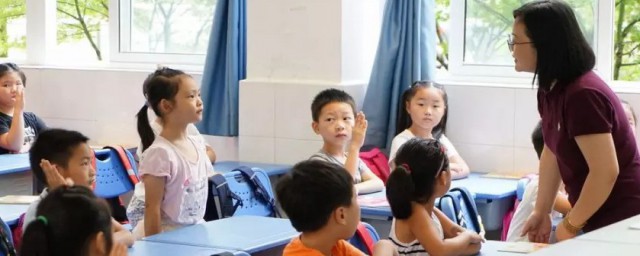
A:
[(157, 129), (414, 248), (30, 215), (185, 194), (406, 135)]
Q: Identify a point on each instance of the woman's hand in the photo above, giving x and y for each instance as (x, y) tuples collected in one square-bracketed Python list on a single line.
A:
[(537, 227)]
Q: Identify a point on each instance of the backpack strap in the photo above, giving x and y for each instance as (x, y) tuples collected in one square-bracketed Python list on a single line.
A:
[(6, 243), (223, 196), (470, 202), (365, 236), (259, 188), (126, 162)]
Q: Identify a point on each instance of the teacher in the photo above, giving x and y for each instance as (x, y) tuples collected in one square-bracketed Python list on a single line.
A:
[(588, 141)]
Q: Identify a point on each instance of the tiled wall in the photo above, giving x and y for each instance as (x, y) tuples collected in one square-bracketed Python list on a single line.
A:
[(490, 126)]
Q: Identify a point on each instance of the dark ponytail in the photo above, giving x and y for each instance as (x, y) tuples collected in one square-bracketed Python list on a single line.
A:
[(403, 120), (400, 190), (68, 219), (144, 128), (163, 84), (419, 162)]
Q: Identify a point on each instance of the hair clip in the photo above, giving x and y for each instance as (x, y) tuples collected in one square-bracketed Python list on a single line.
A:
[(43, 219), (406, 167)]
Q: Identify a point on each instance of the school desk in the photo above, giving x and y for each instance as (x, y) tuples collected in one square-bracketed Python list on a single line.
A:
[(619, 232), (148, 248), (587, 248), (250, 234), (11, 212), (15, 177), (270, 169)]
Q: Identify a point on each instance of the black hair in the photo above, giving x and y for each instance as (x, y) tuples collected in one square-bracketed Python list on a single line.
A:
[(418, 164), (403, 120), (329, 96), (163, 84), (633, 112), (311, 191), (56, 146), (563, 52), (537, 139), (12, 67), (68, 219)]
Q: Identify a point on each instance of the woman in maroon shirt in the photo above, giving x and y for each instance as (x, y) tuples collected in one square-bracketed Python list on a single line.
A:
[(588, 141)]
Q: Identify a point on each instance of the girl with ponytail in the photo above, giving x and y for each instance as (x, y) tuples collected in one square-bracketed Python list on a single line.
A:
[(421, 175), (175, 166)]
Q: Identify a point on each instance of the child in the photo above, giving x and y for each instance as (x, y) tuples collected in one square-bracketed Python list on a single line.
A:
[(418, 228), (57, 155), (174, 165), (71, 221), (321, 202), (333, 114), (156, 126), (18, 129), (423, 113)]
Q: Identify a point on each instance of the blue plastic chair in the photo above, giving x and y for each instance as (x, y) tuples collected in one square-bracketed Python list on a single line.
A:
[(357, 241), (8, 238), (251, 205), (112, 179)]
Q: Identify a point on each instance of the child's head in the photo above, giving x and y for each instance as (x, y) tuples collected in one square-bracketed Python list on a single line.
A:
[(333, 112), (320, 196), (70, 221), (537, 139), (631, 115), (421, 175), (68, 151), (173, 96), (424, 105), (11, 79)]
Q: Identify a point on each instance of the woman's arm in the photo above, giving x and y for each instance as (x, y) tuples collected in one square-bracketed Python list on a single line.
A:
[(600, 154), (154, 192), (548, 183)]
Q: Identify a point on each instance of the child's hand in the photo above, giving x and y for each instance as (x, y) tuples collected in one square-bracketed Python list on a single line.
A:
[(474, 237), (118, 249), (54, 178), (359, 131), (19, 106)]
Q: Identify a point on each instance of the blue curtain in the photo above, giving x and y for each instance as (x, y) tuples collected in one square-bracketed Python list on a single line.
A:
[(406, 53), (225, 66)]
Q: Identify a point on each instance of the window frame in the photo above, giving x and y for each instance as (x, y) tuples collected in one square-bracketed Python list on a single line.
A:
[(458, 70)]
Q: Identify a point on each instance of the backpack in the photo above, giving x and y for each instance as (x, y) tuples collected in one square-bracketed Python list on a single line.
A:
[(6, 241), (224, 199), (377, 162), (364, 238), (458, 204)]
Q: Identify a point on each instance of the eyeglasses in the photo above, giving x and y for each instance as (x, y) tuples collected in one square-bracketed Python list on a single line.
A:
[(511, 43)]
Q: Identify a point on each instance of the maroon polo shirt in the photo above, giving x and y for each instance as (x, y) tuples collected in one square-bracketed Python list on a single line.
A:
[(589, 106)]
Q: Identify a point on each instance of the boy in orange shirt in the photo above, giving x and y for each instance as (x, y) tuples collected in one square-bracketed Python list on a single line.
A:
[(321, 202)]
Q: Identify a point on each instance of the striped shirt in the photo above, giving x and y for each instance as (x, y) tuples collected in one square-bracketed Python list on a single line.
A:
[(413, 248)]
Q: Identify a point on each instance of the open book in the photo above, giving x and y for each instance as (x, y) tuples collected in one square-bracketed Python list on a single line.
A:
[(18, 199)]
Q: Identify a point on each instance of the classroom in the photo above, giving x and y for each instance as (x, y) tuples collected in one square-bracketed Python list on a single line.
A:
[(319, 127)]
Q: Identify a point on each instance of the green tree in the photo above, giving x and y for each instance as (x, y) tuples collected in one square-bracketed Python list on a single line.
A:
[(626, 60), (81, 19), (9, 10)]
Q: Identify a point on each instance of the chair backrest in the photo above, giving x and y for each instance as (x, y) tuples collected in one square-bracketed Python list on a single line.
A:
[(112, 178), (364, 238), (251, 201)]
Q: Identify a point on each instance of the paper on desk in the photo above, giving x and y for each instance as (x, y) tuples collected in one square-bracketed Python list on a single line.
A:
[(373, 202), (522, 247), (17, 199), (635, 226)]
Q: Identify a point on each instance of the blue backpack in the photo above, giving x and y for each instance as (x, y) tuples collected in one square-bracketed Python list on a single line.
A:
[(6, 242), (459, 205)]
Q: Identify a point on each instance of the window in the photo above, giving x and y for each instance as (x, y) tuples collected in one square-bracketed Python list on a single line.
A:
[(477, 46), (82, 31), (13, 27), (164, 28)]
